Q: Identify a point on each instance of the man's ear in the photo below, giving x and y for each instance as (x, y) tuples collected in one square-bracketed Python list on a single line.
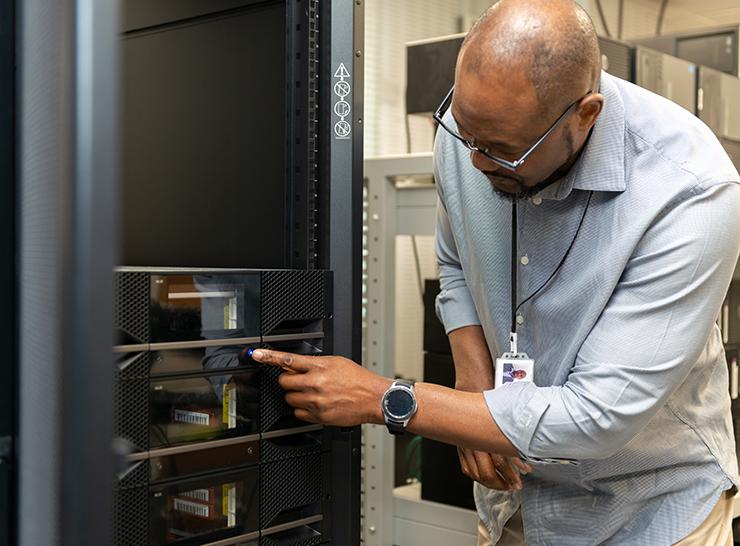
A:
[(589, 110)]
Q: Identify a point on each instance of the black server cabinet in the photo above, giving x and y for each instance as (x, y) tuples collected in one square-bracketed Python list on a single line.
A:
[(441, 479), (7, 272), (232, 164)]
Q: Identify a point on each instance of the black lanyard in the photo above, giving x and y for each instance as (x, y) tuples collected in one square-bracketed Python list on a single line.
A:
[(514, 267)]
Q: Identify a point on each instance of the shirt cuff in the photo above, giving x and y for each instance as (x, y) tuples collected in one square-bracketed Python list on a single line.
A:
[(455, 309), (517, 408)]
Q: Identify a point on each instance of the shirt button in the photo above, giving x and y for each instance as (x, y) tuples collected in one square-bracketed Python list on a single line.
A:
[(519, 319), (525, 260), (537, 200)]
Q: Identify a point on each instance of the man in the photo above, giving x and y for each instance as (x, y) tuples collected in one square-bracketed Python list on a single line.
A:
[(624, 218)]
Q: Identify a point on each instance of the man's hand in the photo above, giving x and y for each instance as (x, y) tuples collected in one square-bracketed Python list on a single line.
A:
[(330, 390), (493, 471)]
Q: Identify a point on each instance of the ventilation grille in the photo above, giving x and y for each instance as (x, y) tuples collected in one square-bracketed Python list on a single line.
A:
[(131, 306), (131, 412), (136, 475), (303, 536), (271, 451), (132, 366), (273, 406), (291, 295), (289, 484), (131, 517)]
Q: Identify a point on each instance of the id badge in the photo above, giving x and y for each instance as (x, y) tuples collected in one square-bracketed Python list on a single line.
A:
[(513, 367)]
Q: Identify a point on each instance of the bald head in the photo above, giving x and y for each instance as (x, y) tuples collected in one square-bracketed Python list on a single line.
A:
[(549, 46)]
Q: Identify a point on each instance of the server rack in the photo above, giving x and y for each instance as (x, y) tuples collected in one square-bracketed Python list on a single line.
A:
[(318, 228), (666, 75), (438, 484), (68, 227)]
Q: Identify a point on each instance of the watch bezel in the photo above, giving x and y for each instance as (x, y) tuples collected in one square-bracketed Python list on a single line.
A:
[(406, 390)]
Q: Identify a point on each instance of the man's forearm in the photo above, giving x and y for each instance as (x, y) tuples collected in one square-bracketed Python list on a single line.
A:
[(473, 365), (450, 416)]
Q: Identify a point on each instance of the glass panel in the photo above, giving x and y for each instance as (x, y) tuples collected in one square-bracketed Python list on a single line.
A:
[(194, 307), (203, 408), (206, 509), (177, 361)]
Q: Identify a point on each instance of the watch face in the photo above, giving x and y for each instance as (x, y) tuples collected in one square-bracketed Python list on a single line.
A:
[(399, 403)]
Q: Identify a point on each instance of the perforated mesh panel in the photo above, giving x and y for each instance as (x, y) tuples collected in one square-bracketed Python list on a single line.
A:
[(291, 295), (305, 536), (271, 451), (272, 399), (131, 305), (133, 366), (131, 517), (289, 484), (136, 475), (131, 412)]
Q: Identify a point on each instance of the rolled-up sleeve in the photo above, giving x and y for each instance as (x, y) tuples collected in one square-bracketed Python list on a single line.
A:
[(454, 305), (644, 344)]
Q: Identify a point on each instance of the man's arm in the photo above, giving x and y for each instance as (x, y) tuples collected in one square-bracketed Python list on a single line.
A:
[(643, 346), (335, 391), (473, 364)]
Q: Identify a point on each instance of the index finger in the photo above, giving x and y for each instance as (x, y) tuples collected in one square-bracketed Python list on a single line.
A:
[(287, 361)]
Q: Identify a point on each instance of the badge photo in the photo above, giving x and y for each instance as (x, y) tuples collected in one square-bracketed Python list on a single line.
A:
[(512, 368)]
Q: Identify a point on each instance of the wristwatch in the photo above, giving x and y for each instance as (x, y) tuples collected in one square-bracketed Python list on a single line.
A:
[(398, 405)]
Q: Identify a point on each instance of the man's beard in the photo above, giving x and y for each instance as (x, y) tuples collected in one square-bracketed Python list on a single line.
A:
[(530, 191)]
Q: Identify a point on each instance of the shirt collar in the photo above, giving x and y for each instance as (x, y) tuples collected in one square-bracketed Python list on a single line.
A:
[(601, 165)]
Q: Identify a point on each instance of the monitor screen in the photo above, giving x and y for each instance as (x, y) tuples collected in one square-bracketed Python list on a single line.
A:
[(204, 134)]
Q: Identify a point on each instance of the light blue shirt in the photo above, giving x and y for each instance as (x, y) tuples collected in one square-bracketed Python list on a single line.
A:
[(630, 380)]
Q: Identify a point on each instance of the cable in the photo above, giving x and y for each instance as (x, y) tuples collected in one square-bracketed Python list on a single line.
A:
[(661, 15), (620, 19), (562, 261), (603, 19), (514, 253)]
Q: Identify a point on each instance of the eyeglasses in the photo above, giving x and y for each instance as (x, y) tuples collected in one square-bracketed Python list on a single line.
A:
[(511, 165)]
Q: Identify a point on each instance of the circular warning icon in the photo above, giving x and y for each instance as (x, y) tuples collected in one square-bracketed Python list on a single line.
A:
[(342, 108), (342, 88), (342, 129)]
